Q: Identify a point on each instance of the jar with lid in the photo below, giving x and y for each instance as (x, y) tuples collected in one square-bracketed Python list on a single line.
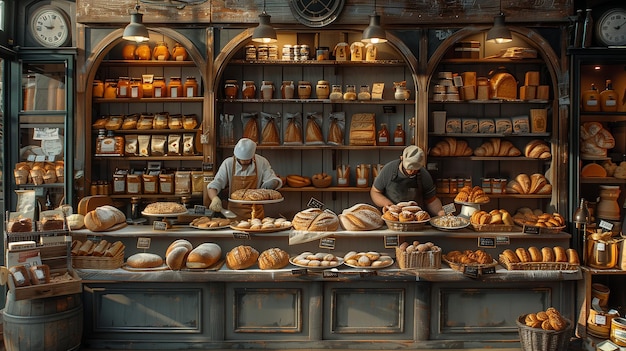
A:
[(287, 89), (191, 87), (135, 88), (142, 52), (110, 89), (161, 52), (250, 51), (179, 53), (364, 93), (267, 90), (272, 52), (123, 87), (146, 85), (398, 135), (350, 93), (175, 87), (383, 135), (97, 91), (336, 93), (158, 87), (323, 53), (608, 207), (231, 88), (128, 51), (304, 89), (249, 89), (322, 89), (304, 52), (262, 52)]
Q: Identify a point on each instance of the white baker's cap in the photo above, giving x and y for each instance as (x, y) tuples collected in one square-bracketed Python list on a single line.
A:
[(245, 149), (413, 158)]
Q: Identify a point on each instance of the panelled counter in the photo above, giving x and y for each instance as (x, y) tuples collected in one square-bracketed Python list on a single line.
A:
[(296, 308)]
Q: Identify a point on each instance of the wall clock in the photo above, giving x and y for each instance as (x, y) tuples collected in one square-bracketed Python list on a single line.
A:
[(50, 26), (316, 13), (611, 27)]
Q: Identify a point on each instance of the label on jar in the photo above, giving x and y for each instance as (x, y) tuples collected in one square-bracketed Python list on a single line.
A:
[(107, 145)]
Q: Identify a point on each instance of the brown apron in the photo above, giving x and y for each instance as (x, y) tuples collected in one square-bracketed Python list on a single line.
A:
[(244, 211)]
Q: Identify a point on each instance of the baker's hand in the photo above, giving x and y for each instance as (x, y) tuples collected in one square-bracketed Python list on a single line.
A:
[(270, 184), (216, 204)]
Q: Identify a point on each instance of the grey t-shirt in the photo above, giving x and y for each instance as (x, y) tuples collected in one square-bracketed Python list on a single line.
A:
[(391, 170)]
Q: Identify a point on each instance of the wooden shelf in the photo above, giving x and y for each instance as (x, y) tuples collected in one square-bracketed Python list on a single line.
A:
[(150, 158), (345, 189), (151, 131), (318, 101), (156, 63), (490, 135), (149, 100), (385, 63), (504, 196), (153, 196), (488, 158), (602, 180), (490, 102), (483, 61), (321, 147)]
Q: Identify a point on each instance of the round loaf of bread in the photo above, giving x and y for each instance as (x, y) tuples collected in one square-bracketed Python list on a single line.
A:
[(361, 217), (204, 255), (303, 219), (241, 257), (176, 258), (176, 243), (273, 258), (144, 260)]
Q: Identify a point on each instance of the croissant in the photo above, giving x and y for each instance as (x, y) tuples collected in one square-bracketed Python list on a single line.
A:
[(293, 133), (251, 130), (335, 134), (524, 181), (497, 147), (269, 135), (313, 131), (451, 147)]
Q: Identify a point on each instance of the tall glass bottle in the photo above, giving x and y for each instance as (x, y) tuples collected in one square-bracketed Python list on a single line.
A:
[(383, 135), (578, 29), (587, 30), (608, 98)]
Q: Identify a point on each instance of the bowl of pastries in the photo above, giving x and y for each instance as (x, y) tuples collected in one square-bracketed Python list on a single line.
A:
[(405, 216)]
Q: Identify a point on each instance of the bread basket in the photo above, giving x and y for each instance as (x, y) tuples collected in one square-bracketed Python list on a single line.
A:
[(537, 339), (321, 182), (406, 226)]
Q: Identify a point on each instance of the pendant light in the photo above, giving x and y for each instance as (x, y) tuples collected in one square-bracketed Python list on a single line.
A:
[(499, 33), (374, 33), (264, 32), (135, 30)]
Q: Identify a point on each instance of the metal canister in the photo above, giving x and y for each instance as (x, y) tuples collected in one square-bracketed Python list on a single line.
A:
[(618, 331)]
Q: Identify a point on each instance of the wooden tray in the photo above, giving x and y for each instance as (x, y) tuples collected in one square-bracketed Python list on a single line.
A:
[(94, 262)]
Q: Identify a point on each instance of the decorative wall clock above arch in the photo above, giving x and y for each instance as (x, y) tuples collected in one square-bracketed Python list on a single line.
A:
[(316, 13)]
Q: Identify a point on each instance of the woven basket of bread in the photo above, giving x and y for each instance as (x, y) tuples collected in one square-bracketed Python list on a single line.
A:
[(424, 260), (478, 259), (536, 266), (406, 226), (494, 227), (94, 262), (538, 339)]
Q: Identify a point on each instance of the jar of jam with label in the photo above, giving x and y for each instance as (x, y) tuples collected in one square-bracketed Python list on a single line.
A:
[(161, 52), (350, 93), (110, 89), (142, 52), (128, 51), (249, 89), (158, 87), (179, 53), (97, 90), (123, 87), (383, 135), (191, 87), (398, 135), (175, 87), (135, 88)]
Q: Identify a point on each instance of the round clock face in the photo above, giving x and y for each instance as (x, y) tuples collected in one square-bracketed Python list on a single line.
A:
[(316, 13), (49, 26), (611, 27)]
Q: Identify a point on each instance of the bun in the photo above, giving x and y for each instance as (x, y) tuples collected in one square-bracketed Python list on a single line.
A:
[(535, 254), (176, 258), (204, 255), (75, 221), (548, 254), (510, 256), (572, 256), (144, 260), (241, 257), (273, 258), (361, 217), (522, 254), (559, 254)]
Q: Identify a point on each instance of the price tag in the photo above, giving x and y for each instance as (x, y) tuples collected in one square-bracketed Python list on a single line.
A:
[(199, 209), (489, 270), (389, 109), (529, 229), (486, 242), (608, 226), (327, 243), (301, 271), (207, 167), (471, 272), (503, 240), (208, 179), (143, 243), (330, 274), (159, 225), (315, 203), (449, 208), (241, 235), (391, 241), (600, 319)]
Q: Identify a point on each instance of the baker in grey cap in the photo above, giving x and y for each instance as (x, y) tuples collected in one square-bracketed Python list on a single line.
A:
[(244, 170), (406, 179)]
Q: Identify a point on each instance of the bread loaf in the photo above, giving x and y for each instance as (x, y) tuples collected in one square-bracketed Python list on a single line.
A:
[(144, 260), (176, 243), (204, 255), (313, 132), (363, 129), (497, 147), (269, 135), (314, 219), (115, 249), (273, 258), (177, 257), (537, 149), (293, 132), (503, 86), (39, 274), (361, 217), (241, 257), (103, 218)]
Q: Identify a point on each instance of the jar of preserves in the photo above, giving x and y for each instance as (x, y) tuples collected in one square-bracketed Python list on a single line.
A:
[(146, 86), (161, 52), (399, 136), (158, 87), (383, 135), (336, 93), (135, 88), (322, 89), (123, 87), (110, 89), (272, 52), (128, 51), (175, 87), (287, 89), (97, 91), (191, 87), (350, 93), (323, 53), (249, 89), (179, 53), (143, 52), (364, 93), (401, 92), (231, 88), (267, 89), (304, 89)]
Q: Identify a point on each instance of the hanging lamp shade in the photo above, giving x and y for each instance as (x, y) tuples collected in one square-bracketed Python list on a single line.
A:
[(499, 33), (135, 30), (264, 32), (374, 33)]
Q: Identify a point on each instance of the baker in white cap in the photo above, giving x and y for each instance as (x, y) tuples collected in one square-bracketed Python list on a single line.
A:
[(244, 170), (406, 179)]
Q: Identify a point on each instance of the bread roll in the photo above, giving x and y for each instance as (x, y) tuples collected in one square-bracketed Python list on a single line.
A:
[(241, 257), (115, 249), (535, 254), (204, 255), (510, 256), (273, 258), (559, 254), (176, 243), (548, 254), (103, 218), (144, 260), (522, 254), (176, 257), (75, 221), (85, 248), (572, 256)]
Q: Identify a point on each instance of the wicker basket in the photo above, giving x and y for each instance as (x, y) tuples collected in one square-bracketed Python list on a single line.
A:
[(406, 226), (461, 266), (537, 339), (495, 228), (424, 260), (94, 262), (537, 266)]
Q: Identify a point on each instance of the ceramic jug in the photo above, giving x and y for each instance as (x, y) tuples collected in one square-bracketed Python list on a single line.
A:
[(356, 51), (341, 52)]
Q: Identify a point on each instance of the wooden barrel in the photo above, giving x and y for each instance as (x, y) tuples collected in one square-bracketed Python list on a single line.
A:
[(51, 323)]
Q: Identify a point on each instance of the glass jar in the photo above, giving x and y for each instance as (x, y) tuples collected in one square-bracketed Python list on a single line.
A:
[(128, 51), (147, 87), (350, 94), (304, 89), (135, 88), (272, 52), (179, 53), (250, 52), (175, 87), (383, 135), (262, 52), (158, 87), (161, 52), (123, 87), (97, 91), (287, 89), (398, 135), (231, 88), (249, 89), (267, 90), (142, 52), (323, 53), (322, 89), (191, 87), (336, 93), (364, 93), (110, 89)]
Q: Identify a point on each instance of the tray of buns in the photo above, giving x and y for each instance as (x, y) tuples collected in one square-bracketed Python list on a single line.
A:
[(331, 264), (264, 225), (318, 260), (535, 259), (495, 227), (479, 259), (259, 231), (449, 222), (406, 226), (206, 223)]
